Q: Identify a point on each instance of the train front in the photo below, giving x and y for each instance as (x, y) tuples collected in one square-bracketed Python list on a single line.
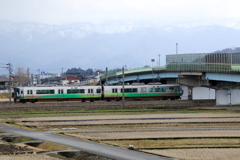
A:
[(18, 94), (179, 91)]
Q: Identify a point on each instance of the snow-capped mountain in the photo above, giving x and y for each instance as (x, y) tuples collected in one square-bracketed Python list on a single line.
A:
[(73, 30), (112, 44), (233, 24)]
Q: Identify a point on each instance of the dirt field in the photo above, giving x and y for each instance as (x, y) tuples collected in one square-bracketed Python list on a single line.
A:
[(200, 154), (4, 99), (134, 116), (155, 134), (27, 157)]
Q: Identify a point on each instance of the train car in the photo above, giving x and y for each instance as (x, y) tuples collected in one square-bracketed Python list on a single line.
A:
[(59, 93), (92, 93), (144, 92)]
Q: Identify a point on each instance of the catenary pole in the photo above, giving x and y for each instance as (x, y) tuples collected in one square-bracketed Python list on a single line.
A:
[(123, 103)]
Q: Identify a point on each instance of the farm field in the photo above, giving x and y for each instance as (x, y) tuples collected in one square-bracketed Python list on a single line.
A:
[(192, 133)]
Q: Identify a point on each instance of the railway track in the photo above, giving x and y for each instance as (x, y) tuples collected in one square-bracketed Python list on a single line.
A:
[(112, 104)]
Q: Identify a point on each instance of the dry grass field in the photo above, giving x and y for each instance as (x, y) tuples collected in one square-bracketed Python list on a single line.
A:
[(194, 138), (207, 134), (4, 96)]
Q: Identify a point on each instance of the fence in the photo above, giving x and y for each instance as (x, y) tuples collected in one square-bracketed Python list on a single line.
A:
[(203, 62)]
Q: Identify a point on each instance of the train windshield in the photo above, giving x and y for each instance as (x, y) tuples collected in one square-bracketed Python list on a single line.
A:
[(16, 91), (179, 89)]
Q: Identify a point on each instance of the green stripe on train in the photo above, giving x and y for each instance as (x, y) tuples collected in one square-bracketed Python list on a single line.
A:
[(68, 96), (135, 94)]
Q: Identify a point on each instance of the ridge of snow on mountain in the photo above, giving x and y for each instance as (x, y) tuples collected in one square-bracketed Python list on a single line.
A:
[(30, 30), (234, 24)]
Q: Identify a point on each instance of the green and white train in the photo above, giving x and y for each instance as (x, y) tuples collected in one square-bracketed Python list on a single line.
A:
[(94, 93)]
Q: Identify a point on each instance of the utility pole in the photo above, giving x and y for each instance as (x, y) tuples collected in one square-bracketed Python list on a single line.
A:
[(10, 80), (99, 74), (123, 87), (176, 48), (159, 59), (106, 76), (39, 81), (152, 69), (31, 79), (28, 75)]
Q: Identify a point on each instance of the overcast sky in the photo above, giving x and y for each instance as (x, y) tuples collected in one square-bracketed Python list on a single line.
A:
[(99, 11)]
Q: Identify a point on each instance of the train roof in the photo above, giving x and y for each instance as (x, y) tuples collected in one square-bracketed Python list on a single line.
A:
[(78, 87)]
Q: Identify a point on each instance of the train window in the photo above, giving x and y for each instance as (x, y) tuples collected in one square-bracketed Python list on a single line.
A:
[(73, 91), (16, 91), (151, 89), (98, 90), (157, 89), (171, 89), (130, 90), (134, 90), (162, 89), (45, 92), (143, 89)]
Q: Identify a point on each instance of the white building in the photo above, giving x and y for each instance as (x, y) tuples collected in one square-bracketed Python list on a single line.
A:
[(69, 80)]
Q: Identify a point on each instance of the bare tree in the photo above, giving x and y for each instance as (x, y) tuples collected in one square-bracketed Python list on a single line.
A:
[(21, 77)]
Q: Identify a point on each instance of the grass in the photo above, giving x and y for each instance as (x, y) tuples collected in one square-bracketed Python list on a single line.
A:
[(53, 146)]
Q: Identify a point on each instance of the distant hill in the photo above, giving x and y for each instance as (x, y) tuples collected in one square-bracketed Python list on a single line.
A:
[(229, 50)]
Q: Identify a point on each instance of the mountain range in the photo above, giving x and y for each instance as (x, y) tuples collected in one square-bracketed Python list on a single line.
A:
[(112, 44)]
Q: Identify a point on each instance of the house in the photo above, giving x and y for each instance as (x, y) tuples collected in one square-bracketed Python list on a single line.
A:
[(70, 80), (3, 83)]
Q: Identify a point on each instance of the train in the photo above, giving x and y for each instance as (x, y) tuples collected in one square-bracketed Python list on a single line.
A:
[(96, 93)]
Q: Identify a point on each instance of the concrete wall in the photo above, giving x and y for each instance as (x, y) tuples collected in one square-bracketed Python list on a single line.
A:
[(198, 93), (203, 93), (225, 97), (185, 93)]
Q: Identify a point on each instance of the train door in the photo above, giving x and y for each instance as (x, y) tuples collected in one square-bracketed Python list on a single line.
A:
[(60, 93), (143, 92), (115, 93), (90, 93), (30, 94)]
